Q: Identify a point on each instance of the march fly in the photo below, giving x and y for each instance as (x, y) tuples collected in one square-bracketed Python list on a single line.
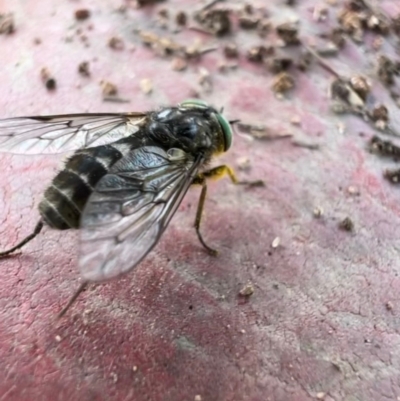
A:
[(125, 180)]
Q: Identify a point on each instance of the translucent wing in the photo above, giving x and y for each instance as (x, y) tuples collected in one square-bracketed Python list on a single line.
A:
[(63, 133), (130, 209)]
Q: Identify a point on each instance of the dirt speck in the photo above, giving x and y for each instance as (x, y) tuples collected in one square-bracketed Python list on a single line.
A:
[(389, 305), (179, 64), (82, 14), (181, 18), (387, 70), (83, 69), (116, 43), (346, 224), (47, 78), (231, 50)]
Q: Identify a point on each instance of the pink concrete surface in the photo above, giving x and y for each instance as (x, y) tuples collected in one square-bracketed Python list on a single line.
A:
[(324, 319)]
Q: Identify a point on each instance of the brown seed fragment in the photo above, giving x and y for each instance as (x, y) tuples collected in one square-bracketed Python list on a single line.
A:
[(179, 64), (83, 69), (380, 115), (47, 79), (389, 305), (361, 86), (352, 23), (263, 27), (181, 18), (248, 21), (346, 224), (146, 86), (247, 290), (387, 69), (396, 25), (116, 43), (305, 60), (142, 3), (7, 26), (288, 33), (278, 64), (283, 82), (109, 89), (216, 21), (82, 14), (231, 50), (337, 37), (257, 53)]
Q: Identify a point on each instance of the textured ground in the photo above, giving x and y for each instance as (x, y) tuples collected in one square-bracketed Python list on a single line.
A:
[(324, 319)]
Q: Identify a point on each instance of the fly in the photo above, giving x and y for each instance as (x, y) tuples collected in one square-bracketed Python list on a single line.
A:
[(125, 180)]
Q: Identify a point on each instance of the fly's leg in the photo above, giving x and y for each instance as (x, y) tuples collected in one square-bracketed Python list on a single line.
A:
[(201, 179), (74, 297), (36, 231)]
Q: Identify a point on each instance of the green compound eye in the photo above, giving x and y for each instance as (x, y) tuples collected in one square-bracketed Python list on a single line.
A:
[(194, 103), (226, 129)]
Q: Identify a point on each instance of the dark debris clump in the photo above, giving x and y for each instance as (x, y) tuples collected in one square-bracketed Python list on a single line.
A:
[(215, 21)]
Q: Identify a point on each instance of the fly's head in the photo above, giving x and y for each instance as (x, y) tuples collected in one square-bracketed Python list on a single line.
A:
[(193, 126), (213, 129)]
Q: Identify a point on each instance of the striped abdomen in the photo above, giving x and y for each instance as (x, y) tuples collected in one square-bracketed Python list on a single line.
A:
[(65, 199)]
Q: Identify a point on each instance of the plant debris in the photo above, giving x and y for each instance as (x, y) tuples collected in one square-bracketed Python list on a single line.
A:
[(384, 148), (7, 26), (48, 79), (288, 33), (215, 21), (258, 53)]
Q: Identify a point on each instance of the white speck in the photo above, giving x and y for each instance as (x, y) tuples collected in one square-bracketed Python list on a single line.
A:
[(58, 338), (318, 211), (276, 242), (197, 398), (135, 368), (320, 395)]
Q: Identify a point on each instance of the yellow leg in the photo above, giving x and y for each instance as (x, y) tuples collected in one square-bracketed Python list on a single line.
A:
[(214, 173)]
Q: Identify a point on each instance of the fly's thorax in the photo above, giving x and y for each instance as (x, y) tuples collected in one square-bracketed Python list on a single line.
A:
[(192, 130)]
